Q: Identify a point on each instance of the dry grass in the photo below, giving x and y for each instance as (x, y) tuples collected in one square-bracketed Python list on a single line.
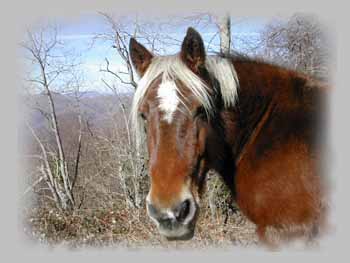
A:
[(131, 229)]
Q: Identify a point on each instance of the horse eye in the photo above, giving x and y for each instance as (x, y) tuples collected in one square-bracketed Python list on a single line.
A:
[(143, 116), (200, 113)]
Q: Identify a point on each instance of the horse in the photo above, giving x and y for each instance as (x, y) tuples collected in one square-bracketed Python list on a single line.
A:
[(258, 125)]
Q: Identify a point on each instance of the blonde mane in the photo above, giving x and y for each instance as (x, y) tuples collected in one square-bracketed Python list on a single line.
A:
[(173, 68)]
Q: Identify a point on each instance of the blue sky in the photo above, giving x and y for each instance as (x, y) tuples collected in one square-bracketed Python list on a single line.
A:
[(78, 33)]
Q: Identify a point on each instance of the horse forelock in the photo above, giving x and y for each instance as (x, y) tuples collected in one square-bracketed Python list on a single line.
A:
[(171, 69)]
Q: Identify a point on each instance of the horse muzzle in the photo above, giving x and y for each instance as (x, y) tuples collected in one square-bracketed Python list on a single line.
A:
[(175, 223)]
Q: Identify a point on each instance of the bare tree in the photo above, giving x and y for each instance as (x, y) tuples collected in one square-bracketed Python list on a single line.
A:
[(128, 164), (298, 43), (119, 39), (51, 69)]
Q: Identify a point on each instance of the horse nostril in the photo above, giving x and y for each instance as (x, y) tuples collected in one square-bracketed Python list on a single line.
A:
[(183, 210), (169, 218)]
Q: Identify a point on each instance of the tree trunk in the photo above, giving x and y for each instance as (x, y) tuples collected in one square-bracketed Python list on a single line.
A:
[(66, 196), (224, 25)]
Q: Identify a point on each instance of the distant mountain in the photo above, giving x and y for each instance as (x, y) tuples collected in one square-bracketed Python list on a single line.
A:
[(85, 94), (94, 105)]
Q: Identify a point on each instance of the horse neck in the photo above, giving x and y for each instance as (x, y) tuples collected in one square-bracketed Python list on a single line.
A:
[(262, 86), (232, 128)]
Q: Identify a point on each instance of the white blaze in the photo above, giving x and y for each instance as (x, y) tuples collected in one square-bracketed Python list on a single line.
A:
[(168, 99)]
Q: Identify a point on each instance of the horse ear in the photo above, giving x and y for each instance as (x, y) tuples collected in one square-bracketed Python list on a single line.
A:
[(192, 50), (140, 56)]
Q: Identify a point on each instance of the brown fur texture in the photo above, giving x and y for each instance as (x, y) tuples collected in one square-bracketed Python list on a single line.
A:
[(277, 180)]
